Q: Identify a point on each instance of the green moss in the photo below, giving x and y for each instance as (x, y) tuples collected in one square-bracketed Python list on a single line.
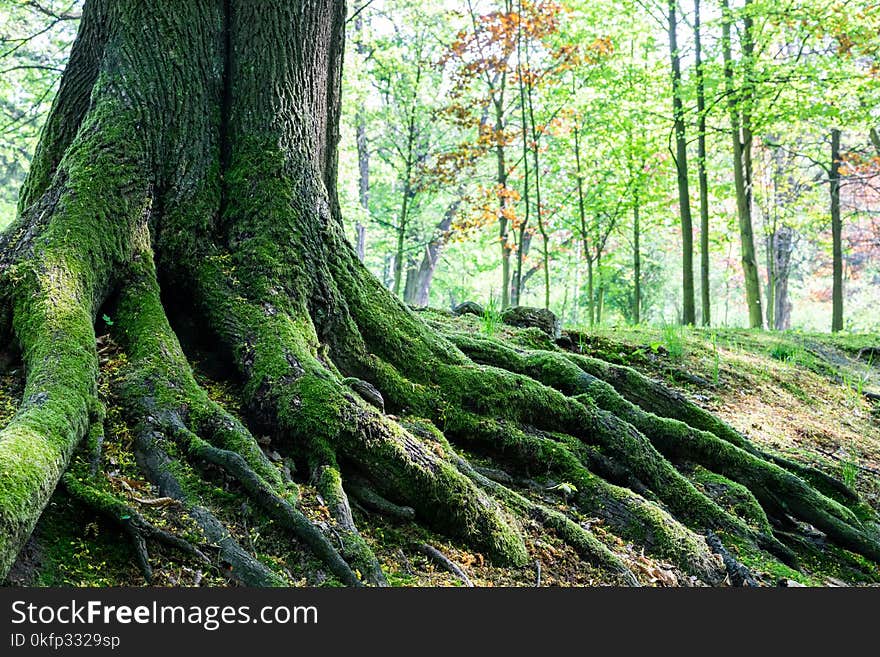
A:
[(734, 497)]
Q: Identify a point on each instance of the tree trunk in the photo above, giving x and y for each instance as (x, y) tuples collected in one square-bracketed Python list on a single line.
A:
[(363, 152), (212, 128), (705, 290), (637, 263), (836, 235), (781, 247), (742, 158), (501, 179), (424, 274), (684, 196)]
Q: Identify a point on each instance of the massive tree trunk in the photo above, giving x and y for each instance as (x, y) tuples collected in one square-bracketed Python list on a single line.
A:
[(193, 147)]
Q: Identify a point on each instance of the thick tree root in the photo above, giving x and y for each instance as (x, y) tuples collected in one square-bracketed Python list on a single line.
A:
[(367, 497), (627, 513), (779, 491), (299, 395), (738, 573), (584, 543), (167, 476), (665, 402), (166, 397)]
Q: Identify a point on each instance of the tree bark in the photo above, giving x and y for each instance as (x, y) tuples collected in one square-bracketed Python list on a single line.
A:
[(363, 152), (637, 262), (419, 294)]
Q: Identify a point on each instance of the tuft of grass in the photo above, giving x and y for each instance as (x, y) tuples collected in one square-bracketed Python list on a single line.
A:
[(849, 472), (490, 318), (787, 352), (673, 340)]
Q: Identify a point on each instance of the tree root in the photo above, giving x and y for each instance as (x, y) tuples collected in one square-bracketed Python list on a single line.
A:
[(296, 390), (780, 492), (738, 573), (583, 542), (665, 402), (354, 548), (138, 528), (166, 474), (366, 495), (448, 564), (628, 514), (185, 404)]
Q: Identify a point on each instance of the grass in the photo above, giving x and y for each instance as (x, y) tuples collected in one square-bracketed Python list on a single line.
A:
[(490, 318), (674, 340), (788, 352)]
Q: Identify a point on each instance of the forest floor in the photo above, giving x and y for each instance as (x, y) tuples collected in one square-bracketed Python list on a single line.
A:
[(808, 396)]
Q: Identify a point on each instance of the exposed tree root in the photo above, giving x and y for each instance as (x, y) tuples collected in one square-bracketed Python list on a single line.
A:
[(354, 548), (780, 492), (172, 480), (166, 396), (738, 573), (138, 528), (448, 564), (364, 493), (584, 543), (665, 402)]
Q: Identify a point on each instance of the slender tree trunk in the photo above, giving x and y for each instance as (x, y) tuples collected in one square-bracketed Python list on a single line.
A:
[(408, 186), (585, 235), (524, 241), (684, 197), (363, 151), (591, 296), (363, 184), (424, 274), (705, 289), (783, 246), (637, 262), (545, 238), (501, 180), (742, 169), (836, 235), (600, 298)]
